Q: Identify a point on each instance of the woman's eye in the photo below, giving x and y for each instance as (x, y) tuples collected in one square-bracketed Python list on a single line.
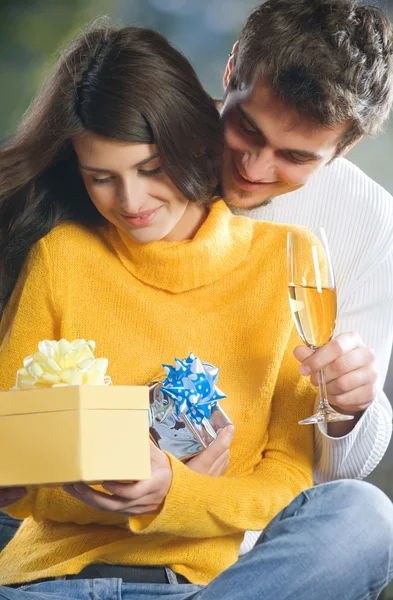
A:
[(101, 180), (151, 173)]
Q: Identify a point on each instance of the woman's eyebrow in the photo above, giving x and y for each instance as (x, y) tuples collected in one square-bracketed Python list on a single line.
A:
[(138, 164), (146, 160), (93, 169)]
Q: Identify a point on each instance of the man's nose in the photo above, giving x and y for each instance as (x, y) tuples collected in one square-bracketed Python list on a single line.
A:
[(260, 165)]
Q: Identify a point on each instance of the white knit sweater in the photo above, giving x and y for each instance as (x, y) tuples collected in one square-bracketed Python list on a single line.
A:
[(357, 215)]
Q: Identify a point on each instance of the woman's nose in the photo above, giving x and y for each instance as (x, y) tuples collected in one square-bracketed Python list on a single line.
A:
[(132, 196)]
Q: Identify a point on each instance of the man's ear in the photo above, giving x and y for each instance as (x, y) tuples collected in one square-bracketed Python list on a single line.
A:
[(229, 67), (348, 148)]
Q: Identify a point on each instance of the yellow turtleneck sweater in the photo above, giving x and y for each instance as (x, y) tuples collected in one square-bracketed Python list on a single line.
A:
[(222, 296)]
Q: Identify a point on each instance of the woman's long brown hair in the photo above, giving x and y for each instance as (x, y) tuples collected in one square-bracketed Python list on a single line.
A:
[(128, 84)]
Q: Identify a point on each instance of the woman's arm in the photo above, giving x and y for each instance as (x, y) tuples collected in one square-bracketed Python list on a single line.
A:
[(33, 314), (198, 505), (189, 504)]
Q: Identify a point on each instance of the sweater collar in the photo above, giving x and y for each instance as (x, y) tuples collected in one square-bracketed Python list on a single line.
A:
[(219, 246)]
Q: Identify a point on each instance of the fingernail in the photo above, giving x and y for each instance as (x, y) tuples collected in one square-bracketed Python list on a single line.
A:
[(230, 430), (304, 370)]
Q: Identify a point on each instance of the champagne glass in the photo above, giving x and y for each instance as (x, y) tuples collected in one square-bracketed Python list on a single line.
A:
[(313, 303)]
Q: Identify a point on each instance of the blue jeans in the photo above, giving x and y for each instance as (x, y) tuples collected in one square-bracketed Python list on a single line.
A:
[(333, 542), (8, 528)]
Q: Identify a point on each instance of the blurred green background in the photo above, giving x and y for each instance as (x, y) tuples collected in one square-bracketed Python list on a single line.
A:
[(32, 31)]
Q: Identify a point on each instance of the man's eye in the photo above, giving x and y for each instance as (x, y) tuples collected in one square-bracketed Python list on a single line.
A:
[(151, 173), (101, 180), (295, 158), (246, 130)]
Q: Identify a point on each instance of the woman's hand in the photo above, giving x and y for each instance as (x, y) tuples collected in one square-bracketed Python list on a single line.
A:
[(11, 494), (137, 498), (214, 461), (146, 497)]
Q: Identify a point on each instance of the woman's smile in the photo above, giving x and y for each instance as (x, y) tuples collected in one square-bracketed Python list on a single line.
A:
[(143, 218)]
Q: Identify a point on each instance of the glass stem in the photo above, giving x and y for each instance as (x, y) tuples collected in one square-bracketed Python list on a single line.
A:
[(323, 401)]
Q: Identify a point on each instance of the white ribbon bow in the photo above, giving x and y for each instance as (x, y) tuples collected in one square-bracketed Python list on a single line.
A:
[(60, 363)]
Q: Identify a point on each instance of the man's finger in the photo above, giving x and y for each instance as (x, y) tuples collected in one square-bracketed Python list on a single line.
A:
[(335, 349), (358, 359), (357, 400), (351, 381), (302, 352)]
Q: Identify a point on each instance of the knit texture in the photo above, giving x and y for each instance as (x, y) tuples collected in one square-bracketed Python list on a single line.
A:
[(223, 296), (357, 215)]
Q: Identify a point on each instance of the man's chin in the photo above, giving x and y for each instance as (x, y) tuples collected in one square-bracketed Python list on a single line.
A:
[(245, 201)]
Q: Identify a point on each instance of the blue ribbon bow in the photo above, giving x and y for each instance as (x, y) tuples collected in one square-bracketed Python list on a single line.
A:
[(191, 385)]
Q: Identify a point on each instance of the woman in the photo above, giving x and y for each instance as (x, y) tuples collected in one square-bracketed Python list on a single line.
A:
[(109, 231)]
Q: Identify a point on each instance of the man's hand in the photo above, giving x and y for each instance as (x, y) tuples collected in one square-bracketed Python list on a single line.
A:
[(214, 461), (350, 373), (140, 497), (11, 494)]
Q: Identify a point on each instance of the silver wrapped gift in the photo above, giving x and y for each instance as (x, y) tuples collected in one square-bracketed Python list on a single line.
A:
[(184, 412)]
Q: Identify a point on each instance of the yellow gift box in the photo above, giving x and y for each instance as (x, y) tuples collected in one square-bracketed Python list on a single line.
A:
[(74, 433)]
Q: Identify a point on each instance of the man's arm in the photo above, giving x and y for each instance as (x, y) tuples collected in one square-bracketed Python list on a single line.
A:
[(355, 452), (357, 215)]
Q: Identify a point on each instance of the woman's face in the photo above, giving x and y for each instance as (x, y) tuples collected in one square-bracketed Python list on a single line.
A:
[(128, 187)]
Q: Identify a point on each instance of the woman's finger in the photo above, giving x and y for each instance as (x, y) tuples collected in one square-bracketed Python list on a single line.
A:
[(220, 466), (102, 501), (203, 462), (11, 494)]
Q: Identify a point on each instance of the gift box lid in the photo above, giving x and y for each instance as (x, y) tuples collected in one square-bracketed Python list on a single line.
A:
[(69, 398)]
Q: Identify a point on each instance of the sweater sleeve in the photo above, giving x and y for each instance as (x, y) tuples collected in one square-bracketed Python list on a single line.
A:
[(201, 506), (367, 310), (31, 315)]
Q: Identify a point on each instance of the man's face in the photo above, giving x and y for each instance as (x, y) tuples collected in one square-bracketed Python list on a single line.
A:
[(270, 150)]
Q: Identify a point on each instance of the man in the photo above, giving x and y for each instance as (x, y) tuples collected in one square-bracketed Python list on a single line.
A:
[(307, 551), (305, 82)]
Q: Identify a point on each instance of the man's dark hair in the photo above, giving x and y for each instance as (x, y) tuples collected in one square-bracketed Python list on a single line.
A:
[(330, 60)]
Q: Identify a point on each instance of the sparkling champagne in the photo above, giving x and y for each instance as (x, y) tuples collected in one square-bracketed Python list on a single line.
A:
[(314, 312)]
